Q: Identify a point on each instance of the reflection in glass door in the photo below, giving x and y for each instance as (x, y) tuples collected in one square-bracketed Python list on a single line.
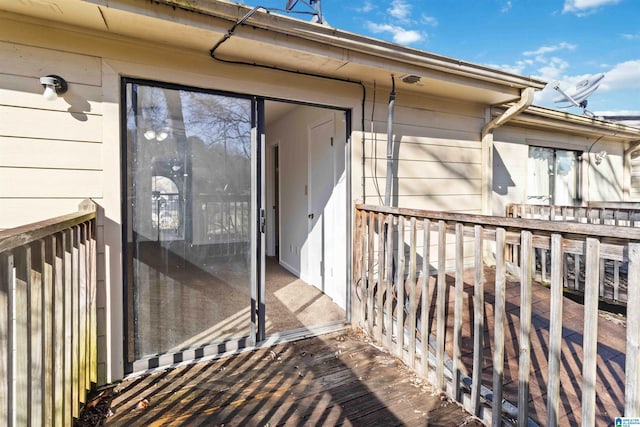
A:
[(189, 204), (553, 176)]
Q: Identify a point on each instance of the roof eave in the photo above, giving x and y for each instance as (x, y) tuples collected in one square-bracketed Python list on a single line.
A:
[(541, 117), (365, 45)]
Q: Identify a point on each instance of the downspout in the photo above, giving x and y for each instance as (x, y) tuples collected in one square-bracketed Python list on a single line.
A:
[(526, 99), (389, 182)]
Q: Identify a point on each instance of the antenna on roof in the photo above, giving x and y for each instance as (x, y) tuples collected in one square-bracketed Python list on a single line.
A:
[(314, 5), (578, 98)]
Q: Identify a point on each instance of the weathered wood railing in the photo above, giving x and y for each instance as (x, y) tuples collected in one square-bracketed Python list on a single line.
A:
[(613, 271), (597, 213), (48, 334), (402, 298)]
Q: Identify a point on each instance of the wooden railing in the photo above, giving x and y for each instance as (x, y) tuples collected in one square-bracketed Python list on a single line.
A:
[(48, 334), (410, 265), (613, 271), (597, 213)]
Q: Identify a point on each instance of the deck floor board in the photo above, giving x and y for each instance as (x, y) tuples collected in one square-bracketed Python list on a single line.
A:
[(333, 380)]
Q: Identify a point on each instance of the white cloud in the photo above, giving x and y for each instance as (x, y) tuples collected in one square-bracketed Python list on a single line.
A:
[(366, 7), (400, 9), (631, 36), (506, 8), (554, 69), (548, 49), (623, 76), (429, 20), (400, 35), (584, 7)]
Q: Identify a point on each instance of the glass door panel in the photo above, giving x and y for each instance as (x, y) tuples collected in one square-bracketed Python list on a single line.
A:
[(189, 207), (566, 178), (539, 187)]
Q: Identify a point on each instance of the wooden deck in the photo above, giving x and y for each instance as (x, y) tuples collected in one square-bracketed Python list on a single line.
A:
[(610, 377), (338, 379), (341, 379)]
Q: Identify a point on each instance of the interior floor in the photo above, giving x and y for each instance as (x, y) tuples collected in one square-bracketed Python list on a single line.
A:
[(180, 305)]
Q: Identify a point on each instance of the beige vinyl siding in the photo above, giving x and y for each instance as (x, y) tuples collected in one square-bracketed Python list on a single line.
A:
[(604, 182), (50, 154), (437, 151), (634, 173), (50, 151)]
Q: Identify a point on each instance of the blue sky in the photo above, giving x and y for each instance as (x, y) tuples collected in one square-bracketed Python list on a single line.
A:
[(563, 40)]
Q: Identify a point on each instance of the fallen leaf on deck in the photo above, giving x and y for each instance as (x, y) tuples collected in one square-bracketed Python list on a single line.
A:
[(142, 405)]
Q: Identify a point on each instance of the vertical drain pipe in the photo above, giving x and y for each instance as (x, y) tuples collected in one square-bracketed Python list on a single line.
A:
[(392, 101)]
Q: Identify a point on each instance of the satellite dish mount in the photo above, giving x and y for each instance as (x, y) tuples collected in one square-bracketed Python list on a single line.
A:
[(314, 5)]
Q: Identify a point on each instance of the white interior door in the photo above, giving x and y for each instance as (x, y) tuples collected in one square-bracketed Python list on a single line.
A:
[(327, 221)]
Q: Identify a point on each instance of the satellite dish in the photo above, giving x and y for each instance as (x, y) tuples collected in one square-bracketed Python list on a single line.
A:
[(314, 5), (578, 98)]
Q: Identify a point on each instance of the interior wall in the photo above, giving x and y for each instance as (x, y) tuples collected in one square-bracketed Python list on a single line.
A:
[(290, 133), (603, 182)]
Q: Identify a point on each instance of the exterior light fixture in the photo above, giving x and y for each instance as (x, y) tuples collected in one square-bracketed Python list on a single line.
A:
[(53, 86), (600, 157), (159, 136)]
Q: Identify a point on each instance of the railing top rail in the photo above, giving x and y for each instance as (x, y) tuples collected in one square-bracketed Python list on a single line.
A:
[(610, 206), (612, 231), (25, 234)]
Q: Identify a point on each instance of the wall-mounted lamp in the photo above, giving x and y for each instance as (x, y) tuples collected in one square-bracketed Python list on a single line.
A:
[(159, 136), (600, 156), (53, 86)]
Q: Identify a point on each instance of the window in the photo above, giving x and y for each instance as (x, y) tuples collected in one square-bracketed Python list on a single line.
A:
[(553, 176)]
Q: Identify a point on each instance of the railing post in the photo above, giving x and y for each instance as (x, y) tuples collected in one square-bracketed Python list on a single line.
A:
[(590, 340), (457, 312), (425, 302), (413, 304), (526, 272), (441, 304), (478, 319), (499, 313), (388, 321), (400, 285), (555, 332), (381, 284), (357, 301), (7, 284), (632, 362), (356, 314), (370, 281)]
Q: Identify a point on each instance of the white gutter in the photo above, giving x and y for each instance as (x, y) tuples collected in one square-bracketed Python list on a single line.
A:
[(526, 98)]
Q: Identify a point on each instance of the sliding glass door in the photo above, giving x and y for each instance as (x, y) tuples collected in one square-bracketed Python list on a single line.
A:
[(553, 176), (191, 255)]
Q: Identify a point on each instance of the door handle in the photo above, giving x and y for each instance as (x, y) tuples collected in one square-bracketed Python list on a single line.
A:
[(310, 216)]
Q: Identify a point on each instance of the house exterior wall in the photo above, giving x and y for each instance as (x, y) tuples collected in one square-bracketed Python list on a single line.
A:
[(51, 151), (55, 154), (603, 182), (437, 150)]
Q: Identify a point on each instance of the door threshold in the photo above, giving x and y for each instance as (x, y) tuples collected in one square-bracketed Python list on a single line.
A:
[(270, 341)]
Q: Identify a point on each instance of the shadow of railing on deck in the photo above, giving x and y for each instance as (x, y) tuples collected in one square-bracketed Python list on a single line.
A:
[(454, 333)]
